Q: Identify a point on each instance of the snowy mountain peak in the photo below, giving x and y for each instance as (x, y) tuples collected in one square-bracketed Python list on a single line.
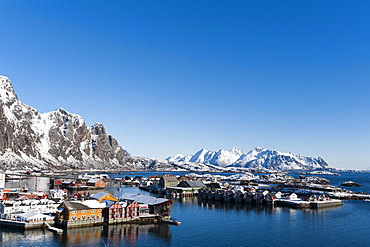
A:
[(237, 151), (7, 94), (62, 111), (259, 149), (258, 158), (58, 139)]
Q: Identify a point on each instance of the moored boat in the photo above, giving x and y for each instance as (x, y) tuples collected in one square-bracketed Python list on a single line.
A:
[(172, 222)]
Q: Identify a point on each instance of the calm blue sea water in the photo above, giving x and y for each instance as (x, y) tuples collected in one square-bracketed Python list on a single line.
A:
[(219, 224)]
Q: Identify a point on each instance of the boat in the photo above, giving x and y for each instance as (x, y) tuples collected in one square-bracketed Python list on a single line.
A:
[(172, 222)]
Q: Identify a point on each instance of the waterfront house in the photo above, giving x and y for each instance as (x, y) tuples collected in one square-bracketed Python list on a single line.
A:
[(132, 208), (157, 206), (259, 197), (121, 211), (168, 181), (79, 213), (188, 188), (196, 185), (214, 186), (114, 211), (270, 198), (96, 182), (239, 196)]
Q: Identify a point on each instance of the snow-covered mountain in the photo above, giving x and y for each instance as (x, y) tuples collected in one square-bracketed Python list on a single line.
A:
[(221, 158), (61, 140), (58, 139), (258, 158)]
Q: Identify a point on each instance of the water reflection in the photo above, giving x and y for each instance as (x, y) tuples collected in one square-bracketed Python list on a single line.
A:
[(114, 235), (130, 235), (16, 237)]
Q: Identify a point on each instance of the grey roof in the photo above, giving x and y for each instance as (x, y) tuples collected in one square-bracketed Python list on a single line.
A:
[(196, 183), (150, 200), (75, 205)]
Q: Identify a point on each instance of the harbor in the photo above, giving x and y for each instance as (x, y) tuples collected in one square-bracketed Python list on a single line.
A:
[(92, 200), (70, 201), (226, 218)]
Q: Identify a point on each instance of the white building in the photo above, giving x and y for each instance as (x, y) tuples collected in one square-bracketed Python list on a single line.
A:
[(32, 216), (37, 206)]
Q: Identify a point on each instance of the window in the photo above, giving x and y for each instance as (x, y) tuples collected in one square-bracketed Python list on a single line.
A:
[(74, 212), (93, 210), (99, 210), (83, 211), (92, 216), (83, 217), (73, 217)]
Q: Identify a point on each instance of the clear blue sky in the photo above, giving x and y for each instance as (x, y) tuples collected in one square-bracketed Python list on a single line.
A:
[(168, 77)]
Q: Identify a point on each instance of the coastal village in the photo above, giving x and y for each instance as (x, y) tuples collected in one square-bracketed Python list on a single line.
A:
[(81, 200)]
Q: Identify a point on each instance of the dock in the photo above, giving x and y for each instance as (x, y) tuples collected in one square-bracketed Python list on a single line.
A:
[(292, 203), (12, 223), (326, 204)]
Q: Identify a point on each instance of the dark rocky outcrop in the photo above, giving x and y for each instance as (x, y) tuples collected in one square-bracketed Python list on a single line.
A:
[(54, 140), (350, 184)]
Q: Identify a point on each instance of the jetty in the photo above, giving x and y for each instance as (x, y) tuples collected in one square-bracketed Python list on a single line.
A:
[(24, 225)]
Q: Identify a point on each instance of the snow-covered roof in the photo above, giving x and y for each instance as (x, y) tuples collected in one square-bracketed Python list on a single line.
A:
[(33, 215), (196, 183), (94, 204), (93, 180), (99, 195), (150, 200), (80, 205)]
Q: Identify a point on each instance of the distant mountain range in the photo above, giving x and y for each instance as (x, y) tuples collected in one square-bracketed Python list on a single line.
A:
[(60, 140), (258, 158)]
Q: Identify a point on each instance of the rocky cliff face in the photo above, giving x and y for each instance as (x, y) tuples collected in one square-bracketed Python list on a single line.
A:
[(55, 140)]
